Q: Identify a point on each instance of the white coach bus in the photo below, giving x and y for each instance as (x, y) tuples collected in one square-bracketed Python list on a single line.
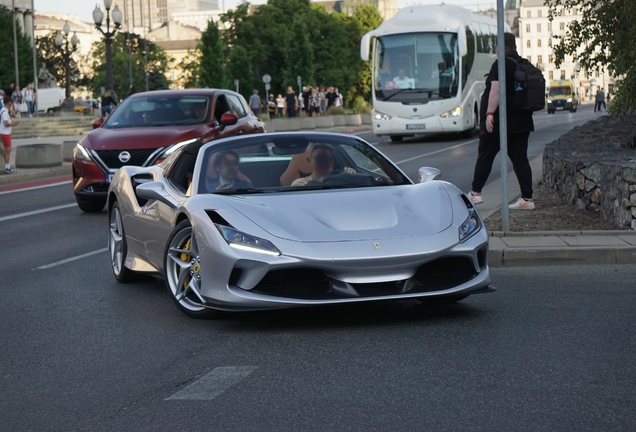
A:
[(429, 67)]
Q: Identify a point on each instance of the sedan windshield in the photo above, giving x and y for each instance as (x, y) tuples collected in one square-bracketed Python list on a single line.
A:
[(416, 67), (294, 162), (149, 111)]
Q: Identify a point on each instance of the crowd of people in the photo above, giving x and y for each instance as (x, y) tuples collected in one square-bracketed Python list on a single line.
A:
[(19, 97), (313, 102)]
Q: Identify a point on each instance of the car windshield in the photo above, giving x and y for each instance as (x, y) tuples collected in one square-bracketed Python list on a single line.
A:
[(294, 162), (149, 111), (416, 67), (560, 91)]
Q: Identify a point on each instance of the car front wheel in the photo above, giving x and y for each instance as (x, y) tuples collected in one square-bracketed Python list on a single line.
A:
[(183, 272), (118, 248)]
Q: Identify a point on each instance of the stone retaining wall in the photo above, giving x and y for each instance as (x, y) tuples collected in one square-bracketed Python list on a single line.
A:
[(594, 167), (311, 123)]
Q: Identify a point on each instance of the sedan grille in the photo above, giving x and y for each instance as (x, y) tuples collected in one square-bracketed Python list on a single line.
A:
[(111, 157)]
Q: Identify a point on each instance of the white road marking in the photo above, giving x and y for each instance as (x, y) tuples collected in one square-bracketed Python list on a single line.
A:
[(436, 152), (68, 260), (214, 383), (35, 212), (37, 187)]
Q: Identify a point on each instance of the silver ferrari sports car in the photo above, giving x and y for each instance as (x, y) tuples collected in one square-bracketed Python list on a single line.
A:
[(282, 220)]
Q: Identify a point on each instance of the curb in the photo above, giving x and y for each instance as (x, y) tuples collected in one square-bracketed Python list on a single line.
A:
[(39, 175), (518, 257), (561, 233)]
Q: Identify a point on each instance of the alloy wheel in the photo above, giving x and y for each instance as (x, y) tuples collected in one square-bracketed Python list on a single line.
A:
[(183, 270), (116, 241)]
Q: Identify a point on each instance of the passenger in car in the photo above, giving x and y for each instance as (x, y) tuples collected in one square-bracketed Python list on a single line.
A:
[(299, 166), (226, 171), (321, 160)]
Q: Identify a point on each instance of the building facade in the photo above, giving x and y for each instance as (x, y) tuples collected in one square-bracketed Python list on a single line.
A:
[(140, 15), (537, 39), (23, 13)]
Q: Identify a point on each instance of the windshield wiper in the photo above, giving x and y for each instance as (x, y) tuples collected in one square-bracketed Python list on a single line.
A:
[(238, 191)]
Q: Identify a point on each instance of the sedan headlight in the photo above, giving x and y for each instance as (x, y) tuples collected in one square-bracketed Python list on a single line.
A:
[(243, 241), (470, 227), (549, 100), (377, 115), (455, 112), (81, 153), (569, 99)]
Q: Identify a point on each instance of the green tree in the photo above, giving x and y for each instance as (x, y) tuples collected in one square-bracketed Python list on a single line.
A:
[(157, 64), (212, 61), (240, 68), (299, 56), (603, 38), (51, 56), (25, 53)]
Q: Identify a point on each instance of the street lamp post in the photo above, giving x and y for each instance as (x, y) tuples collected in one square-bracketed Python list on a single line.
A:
[(98, 17), (62, 41)]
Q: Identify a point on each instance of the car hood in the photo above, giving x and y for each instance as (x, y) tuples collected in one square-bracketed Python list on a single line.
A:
[(351, 214), (138, 138)]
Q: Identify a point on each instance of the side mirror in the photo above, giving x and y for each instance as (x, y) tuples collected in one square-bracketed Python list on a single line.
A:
[(429, 174), (364, 46), (156, 191), (98, 122), (228, 119)]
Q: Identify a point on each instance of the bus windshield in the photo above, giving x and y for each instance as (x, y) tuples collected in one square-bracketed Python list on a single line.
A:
[(416, 67)]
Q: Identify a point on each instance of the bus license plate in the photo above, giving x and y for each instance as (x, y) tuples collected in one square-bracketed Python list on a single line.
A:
[(415, 126)]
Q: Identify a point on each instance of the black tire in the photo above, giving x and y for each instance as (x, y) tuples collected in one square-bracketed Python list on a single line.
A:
[(442, 300), (93, 206), (396, 138), (474, 131), (190, 305), (550, 112), (115, 226)]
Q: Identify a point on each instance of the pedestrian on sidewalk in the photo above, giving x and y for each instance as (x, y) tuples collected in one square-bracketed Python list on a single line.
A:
[(255, 103), (16, 97), (600, 100), (323, 100), (271, 107), (519, 124), (291, 102), (280, 106), (6, 123), (29, 98), (108, 102)]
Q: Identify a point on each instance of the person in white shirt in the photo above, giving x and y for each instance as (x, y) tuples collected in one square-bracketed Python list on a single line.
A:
[(338, 101), (402, 81), (6, 123)]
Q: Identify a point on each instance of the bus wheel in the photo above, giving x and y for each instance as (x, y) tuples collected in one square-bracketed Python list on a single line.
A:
[(474, 131), (396, 138)]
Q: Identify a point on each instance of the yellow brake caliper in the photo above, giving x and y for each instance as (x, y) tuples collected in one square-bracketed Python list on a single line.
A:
[(186, 257)]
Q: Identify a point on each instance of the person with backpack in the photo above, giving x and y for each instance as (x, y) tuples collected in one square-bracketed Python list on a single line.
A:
[(525, 93)]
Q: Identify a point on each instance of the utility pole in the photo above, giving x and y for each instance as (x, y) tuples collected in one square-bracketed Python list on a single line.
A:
[(141, 5), (128, 40), (15, 47), (503, 117), (35, 73)]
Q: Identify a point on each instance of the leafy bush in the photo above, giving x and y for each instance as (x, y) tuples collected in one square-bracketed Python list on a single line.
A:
[(365, 109), (334, 110)]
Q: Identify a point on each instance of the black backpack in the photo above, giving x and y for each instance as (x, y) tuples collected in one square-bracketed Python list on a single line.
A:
[(529, 85)]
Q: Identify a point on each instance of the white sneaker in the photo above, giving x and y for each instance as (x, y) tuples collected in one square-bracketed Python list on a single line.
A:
[(475, 198), (522, 204)]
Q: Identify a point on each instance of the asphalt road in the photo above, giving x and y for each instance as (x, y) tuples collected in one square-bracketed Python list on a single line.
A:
[(552, 349)]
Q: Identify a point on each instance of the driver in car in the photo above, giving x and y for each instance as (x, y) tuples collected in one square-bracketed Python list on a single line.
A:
[(321, 160), (199, 111), (226, 168)]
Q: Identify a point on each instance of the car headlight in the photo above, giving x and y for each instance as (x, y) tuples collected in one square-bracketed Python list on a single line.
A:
[(470, 227), (377, 115), (81, 153), (569, 99), (455, 112), (549, 100), (243, 241)]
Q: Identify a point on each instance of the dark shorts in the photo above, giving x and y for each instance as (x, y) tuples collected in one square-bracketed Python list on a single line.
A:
[(6, 140)]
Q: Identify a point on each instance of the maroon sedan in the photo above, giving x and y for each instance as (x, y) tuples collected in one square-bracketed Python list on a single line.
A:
[(145, 127)]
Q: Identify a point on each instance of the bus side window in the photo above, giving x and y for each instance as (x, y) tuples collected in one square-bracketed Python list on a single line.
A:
[(493, 39), (470, 56)]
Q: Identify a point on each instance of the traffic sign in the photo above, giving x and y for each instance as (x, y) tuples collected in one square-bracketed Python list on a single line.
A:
[(267, 79)]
